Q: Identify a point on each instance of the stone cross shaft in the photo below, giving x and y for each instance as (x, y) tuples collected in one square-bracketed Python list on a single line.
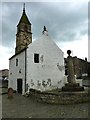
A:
[(71, 77)]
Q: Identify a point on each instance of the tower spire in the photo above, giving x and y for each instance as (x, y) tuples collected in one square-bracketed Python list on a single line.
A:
[(24, 30), (23, 7)]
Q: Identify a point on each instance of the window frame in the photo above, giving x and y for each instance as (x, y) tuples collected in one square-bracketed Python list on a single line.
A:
[(36, 58)]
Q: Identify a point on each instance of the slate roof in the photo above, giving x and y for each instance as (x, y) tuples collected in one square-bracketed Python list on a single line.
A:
[(24, 18)]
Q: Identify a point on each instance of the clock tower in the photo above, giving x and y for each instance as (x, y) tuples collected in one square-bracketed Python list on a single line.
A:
[(24, 35)]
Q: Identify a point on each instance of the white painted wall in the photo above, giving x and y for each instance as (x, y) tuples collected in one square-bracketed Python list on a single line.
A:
[(48, 68), (14, 70), (77, 80)]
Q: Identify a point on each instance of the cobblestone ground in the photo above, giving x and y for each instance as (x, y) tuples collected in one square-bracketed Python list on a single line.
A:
[(26, 107)]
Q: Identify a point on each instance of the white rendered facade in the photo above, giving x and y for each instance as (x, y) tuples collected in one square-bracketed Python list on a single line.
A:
[(47, 74), (17, 71)]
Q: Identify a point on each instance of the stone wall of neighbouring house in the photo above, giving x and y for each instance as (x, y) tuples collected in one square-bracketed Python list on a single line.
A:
[(81, 67), (88, 64), (61, 97), (4, 73)]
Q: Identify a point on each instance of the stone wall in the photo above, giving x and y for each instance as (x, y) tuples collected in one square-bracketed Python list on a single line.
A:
[(60, 97), (81, 67), (4, 73)]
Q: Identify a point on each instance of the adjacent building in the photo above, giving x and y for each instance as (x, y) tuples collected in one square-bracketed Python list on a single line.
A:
[(4, 74), (81, 67)]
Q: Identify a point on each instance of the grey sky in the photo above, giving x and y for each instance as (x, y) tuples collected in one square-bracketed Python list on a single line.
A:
[(66, 22)]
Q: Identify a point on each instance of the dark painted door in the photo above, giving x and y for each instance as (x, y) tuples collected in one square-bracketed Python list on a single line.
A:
[(19, 86)]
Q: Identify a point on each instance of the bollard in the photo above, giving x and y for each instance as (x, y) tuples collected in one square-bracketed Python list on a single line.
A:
[(10, 93)]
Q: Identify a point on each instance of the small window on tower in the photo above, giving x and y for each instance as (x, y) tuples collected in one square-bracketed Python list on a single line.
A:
[(25, 28), (16, 62), (36, 58)]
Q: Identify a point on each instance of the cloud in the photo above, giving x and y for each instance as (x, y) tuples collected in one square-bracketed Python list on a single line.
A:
[(4, 56), (60, 19), (0, 23), (45, 1), (9, 21), (79, 48), (66, 22)]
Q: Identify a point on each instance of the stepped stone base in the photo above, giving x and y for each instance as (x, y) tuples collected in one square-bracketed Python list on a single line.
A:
[(72, 87)]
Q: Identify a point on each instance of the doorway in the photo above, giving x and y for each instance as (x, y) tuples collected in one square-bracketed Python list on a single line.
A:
[(19, 86)]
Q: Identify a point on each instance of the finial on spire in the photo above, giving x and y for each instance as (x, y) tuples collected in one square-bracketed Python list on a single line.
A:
[(24, 7), (45, 31)]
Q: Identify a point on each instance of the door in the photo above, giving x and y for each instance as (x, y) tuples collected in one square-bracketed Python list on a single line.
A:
[(19, 86)]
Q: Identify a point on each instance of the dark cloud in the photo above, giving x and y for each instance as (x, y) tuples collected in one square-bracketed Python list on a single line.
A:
[(64, 21)]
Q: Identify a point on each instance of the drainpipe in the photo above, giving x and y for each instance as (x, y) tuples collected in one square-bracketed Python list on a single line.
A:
[(25, 67)]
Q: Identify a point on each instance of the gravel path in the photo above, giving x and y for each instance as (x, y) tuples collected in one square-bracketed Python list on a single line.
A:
[(26, 107)]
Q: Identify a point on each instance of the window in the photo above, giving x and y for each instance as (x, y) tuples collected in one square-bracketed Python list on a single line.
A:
[(16, 62), (36, 58), (25, 28)]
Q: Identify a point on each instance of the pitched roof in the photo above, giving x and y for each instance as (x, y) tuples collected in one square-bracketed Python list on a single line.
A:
[(18, 53), (24, 18), (45, 42)]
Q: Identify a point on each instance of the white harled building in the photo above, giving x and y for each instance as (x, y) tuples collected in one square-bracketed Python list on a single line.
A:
[(35, 65)]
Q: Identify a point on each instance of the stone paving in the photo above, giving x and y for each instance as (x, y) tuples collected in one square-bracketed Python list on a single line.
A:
[(25, 107), (0, 100), (0, 106)]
